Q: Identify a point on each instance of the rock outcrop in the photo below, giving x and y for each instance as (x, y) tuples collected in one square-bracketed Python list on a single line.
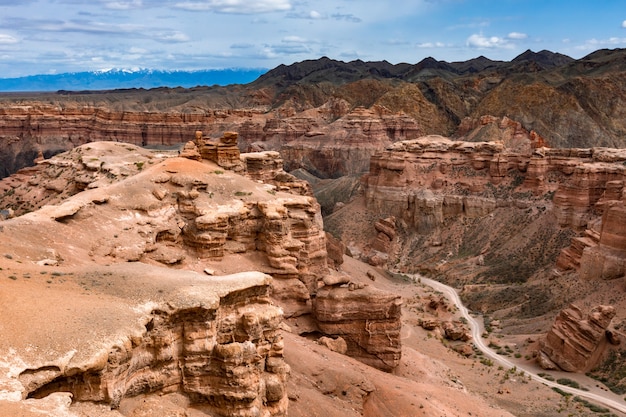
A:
[(366, 318), (152, 331), (429, 182), (344, 147), (429, 179), (493, 129), (574, 341), (185, 213)]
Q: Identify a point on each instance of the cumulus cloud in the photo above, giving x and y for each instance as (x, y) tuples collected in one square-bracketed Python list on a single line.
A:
[(7, 39), (236, 6), (480, 41), (624, 24), (517, 35)]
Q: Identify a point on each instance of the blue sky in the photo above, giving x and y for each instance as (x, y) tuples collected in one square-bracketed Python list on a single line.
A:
[(56, 36)]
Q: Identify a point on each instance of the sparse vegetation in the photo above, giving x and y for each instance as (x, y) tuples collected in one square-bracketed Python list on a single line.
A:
[(568, 382), (546, 376), (612, 372), (560, 391), (242, 193), (593, 407), (486, 361)]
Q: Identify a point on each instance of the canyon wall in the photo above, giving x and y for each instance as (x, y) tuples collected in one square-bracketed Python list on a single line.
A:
[(431, 183), (322, 141)]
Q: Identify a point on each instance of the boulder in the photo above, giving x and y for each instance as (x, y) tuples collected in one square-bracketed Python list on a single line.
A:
[(367, 319), (573, 341)]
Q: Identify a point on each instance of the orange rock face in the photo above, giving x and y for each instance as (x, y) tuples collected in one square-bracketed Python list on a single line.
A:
[(316, 139), (574, 339), (367, 319), (428, 181)]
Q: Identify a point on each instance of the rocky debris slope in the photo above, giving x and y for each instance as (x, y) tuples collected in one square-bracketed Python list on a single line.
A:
[(574, 343)]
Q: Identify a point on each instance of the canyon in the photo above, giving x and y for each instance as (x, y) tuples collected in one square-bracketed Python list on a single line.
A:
[(251, 273)]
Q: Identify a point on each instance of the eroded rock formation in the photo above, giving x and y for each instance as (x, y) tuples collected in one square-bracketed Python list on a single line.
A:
[(217, 341), (316, 141), (574, 341), (344, 147), (432, 180), (185, 213), (367, 319)]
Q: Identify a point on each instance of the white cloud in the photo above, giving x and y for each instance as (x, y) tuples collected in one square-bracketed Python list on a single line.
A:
[(173, 37), (312, 15), (123, 5), (480, 41), (431, 45), (624, 24), (7, 39), (517, 35), (236, 6), (294, 39), (602, 43)]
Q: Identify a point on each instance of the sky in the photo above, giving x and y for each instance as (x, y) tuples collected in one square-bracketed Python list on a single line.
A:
[(58, 36)]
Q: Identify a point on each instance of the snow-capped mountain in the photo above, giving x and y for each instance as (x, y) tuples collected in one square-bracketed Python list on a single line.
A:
[(124, 78)]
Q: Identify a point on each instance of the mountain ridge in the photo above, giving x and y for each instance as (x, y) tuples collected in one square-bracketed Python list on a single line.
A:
[(124, 78), (312, 70)]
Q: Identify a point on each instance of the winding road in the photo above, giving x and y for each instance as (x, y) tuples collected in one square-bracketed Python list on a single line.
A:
[(476, 329)]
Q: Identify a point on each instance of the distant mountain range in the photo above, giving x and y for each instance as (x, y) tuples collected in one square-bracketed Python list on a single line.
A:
[(118, 78)]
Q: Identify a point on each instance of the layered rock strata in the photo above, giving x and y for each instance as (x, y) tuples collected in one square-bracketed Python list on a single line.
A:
[(345, 146), (366, 318), (428, 182), (216, 341), (574, 341), (328, 131), (185, 213), (428, 179), (224, 151)]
